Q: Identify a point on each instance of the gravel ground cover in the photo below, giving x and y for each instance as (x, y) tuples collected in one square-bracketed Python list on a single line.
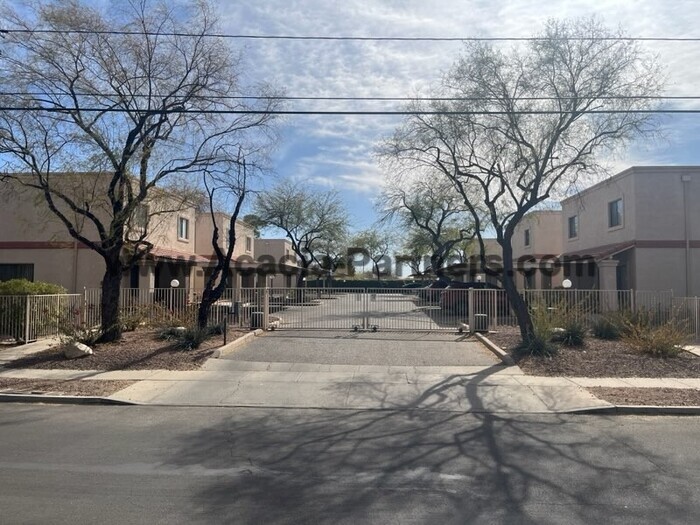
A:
[(601, 358)]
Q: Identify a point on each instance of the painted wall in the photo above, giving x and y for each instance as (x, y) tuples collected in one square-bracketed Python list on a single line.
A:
[(205, 229), (591, 206)]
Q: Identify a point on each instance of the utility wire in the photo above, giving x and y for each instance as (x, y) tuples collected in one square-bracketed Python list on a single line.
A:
[(348, 38), (334, 112), (359, 99)]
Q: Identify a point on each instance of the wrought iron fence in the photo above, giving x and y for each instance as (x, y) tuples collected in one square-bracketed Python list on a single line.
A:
[(25, 318)]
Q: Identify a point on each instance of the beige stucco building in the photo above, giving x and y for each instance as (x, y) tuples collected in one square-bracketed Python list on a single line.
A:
[(536, 248), (639, 229), (34, 244), (277, 255)]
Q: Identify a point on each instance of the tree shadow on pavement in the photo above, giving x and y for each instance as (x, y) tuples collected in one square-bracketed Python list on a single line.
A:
[(419, 464)]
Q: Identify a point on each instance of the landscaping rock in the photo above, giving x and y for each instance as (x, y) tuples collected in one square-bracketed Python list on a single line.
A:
[(75, 350)]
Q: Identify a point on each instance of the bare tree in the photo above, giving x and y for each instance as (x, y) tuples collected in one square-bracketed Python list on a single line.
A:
[(529, 123), (228, 188), (375, 244), (308, 219), (430, 204), (134, 96)]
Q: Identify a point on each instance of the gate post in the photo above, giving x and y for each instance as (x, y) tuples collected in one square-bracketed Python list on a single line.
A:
[(26, 319), (470, 305), (266, 307)]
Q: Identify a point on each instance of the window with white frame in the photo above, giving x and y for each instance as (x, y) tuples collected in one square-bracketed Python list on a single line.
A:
[(527, 237), (615, 212), (573, 227), (183, 228), (248, 244)]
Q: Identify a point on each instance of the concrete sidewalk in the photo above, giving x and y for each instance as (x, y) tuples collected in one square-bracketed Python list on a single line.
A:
[(490, 388), (297, 385)]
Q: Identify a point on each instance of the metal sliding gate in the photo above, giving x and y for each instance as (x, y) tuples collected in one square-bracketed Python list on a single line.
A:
[(372, 309)]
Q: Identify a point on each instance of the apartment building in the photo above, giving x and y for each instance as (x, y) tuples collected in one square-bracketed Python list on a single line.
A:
[(277, 257), (242, 273), (537, 244), (639, 229), (34, 244)]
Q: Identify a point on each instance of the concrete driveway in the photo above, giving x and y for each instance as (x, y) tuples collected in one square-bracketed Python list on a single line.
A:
[(366, 348)]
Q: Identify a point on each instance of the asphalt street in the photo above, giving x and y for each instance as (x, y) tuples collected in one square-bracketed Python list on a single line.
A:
[(91, 464)]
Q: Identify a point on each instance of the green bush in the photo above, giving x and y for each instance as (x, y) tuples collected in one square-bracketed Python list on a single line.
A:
[(13, 310), (25, 287)]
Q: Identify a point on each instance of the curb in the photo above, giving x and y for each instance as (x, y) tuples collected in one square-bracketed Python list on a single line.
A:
[(61, 400), (639, 410), (236, 343), (503, 356)]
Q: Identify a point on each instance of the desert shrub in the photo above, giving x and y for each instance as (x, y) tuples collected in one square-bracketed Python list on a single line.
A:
[(187, 337), (25, 287), (70, 331), (572, 333), (607, 328), (136, 317), (540, 340), (170, 333), (192, 338), (216, 329), (663, 340)]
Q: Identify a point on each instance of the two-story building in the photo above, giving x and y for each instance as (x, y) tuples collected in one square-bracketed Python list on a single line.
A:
[(639, 229), (536, 249), (277, 258), (34, 244)]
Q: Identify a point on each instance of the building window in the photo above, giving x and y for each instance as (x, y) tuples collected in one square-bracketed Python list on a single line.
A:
[(615, 213), (16, 271), (527, 237), (573, 227), (183, 228), (248, 244)]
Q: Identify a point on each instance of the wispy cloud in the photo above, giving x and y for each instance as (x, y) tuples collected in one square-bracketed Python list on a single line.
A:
[(335, 151)]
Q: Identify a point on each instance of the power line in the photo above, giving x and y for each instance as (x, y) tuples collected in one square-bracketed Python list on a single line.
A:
[(335, 112), (357, 99), (347, 37)]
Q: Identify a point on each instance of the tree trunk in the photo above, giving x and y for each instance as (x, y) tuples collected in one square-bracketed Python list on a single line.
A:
[(209, 297), (302, 274), (211, 294), (436, 263), (517, 302), (111, 288)]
